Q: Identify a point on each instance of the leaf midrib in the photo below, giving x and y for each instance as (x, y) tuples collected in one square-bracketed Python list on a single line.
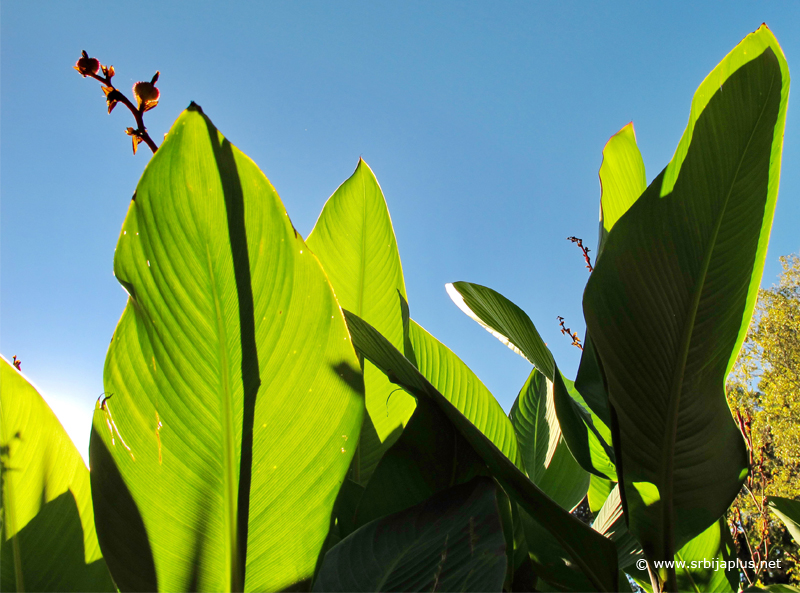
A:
[(229, 489), (670, 436)]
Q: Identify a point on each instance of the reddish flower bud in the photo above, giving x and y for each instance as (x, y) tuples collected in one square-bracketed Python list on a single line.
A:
[(146, 94), (86, 65)]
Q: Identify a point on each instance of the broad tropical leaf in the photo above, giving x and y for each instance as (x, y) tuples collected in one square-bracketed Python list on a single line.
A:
[(452, 542), (462, 387), (622, 179), (610, 521), (593, 554), (505, 321), (235, 398), (673, 293), (587, 436), (548, 461), (355, 242), (702, 565), (48, 540), (599, 489), (788, 511)]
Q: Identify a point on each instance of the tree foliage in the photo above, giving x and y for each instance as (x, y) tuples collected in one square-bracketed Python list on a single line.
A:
[(764, 392)]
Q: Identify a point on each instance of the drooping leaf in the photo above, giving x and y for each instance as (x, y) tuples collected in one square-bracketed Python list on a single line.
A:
[(48, 541), (593, 554), (355, 242), (587, 436), (788, 511), (672, 296), (237, 396), (452, 542), (548, 461), (505, 321)]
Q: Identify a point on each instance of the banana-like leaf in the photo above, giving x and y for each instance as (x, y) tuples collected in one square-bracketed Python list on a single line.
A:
[(589, 439), (548, 461), (587, 436), (462, 387), (610, 522), (355, 242), (599, 489), (788, 511), (48, 541), (673, 293), (235, 398), (505, 321), (429, 457), (593, 554), (452, 542), (706, 564), (622, 179)]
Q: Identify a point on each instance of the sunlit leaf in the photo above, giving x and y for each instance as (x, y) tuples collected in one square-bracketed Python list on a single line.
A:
[(48, 540), (237, 396), (673, 293)]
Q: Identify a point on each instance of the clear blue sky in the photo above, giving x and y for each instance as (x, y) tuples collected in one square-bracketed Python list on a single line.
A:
[(484, 123)]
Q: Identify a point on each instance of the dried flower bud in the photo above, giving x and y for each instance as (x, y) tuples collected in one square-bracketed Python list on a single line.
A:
[(146, 94), (86, 65), (135, 138), (112, 96)]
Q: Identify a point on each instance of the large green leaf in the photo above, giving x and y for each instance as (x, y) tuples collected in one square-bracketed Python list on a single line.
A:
[(355, 242), (788, 511), (610, 521), (462, 387), (505, 321), (429, 457), (48, 540), (672, 295), (237, 396), (706, 564), (586, 434), (452, 542), (622, 179), (593, 554), (548, 461)]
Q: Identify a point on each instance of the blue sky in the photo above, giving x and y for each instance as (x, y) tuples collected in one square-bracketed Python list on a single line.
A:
[(484, 123)]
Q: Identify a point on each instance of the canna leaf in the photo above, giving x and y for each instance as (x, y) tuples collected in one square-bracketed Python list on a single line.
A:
[(237, 396), (673, 293), (355, 243), (48, 540)]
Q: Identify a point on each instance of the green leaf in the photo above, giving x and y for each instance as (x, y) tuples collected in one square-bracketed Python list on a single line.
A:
[(429, 457), (622, 179), (452, 542), (706, 564), (237, 396), (592, 553), (588, 438), (505, 321), (610, 522), (673, 293), (462, 388), (355, 242), (788, 511), (48, 539), (548, 461), (599, 489)]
